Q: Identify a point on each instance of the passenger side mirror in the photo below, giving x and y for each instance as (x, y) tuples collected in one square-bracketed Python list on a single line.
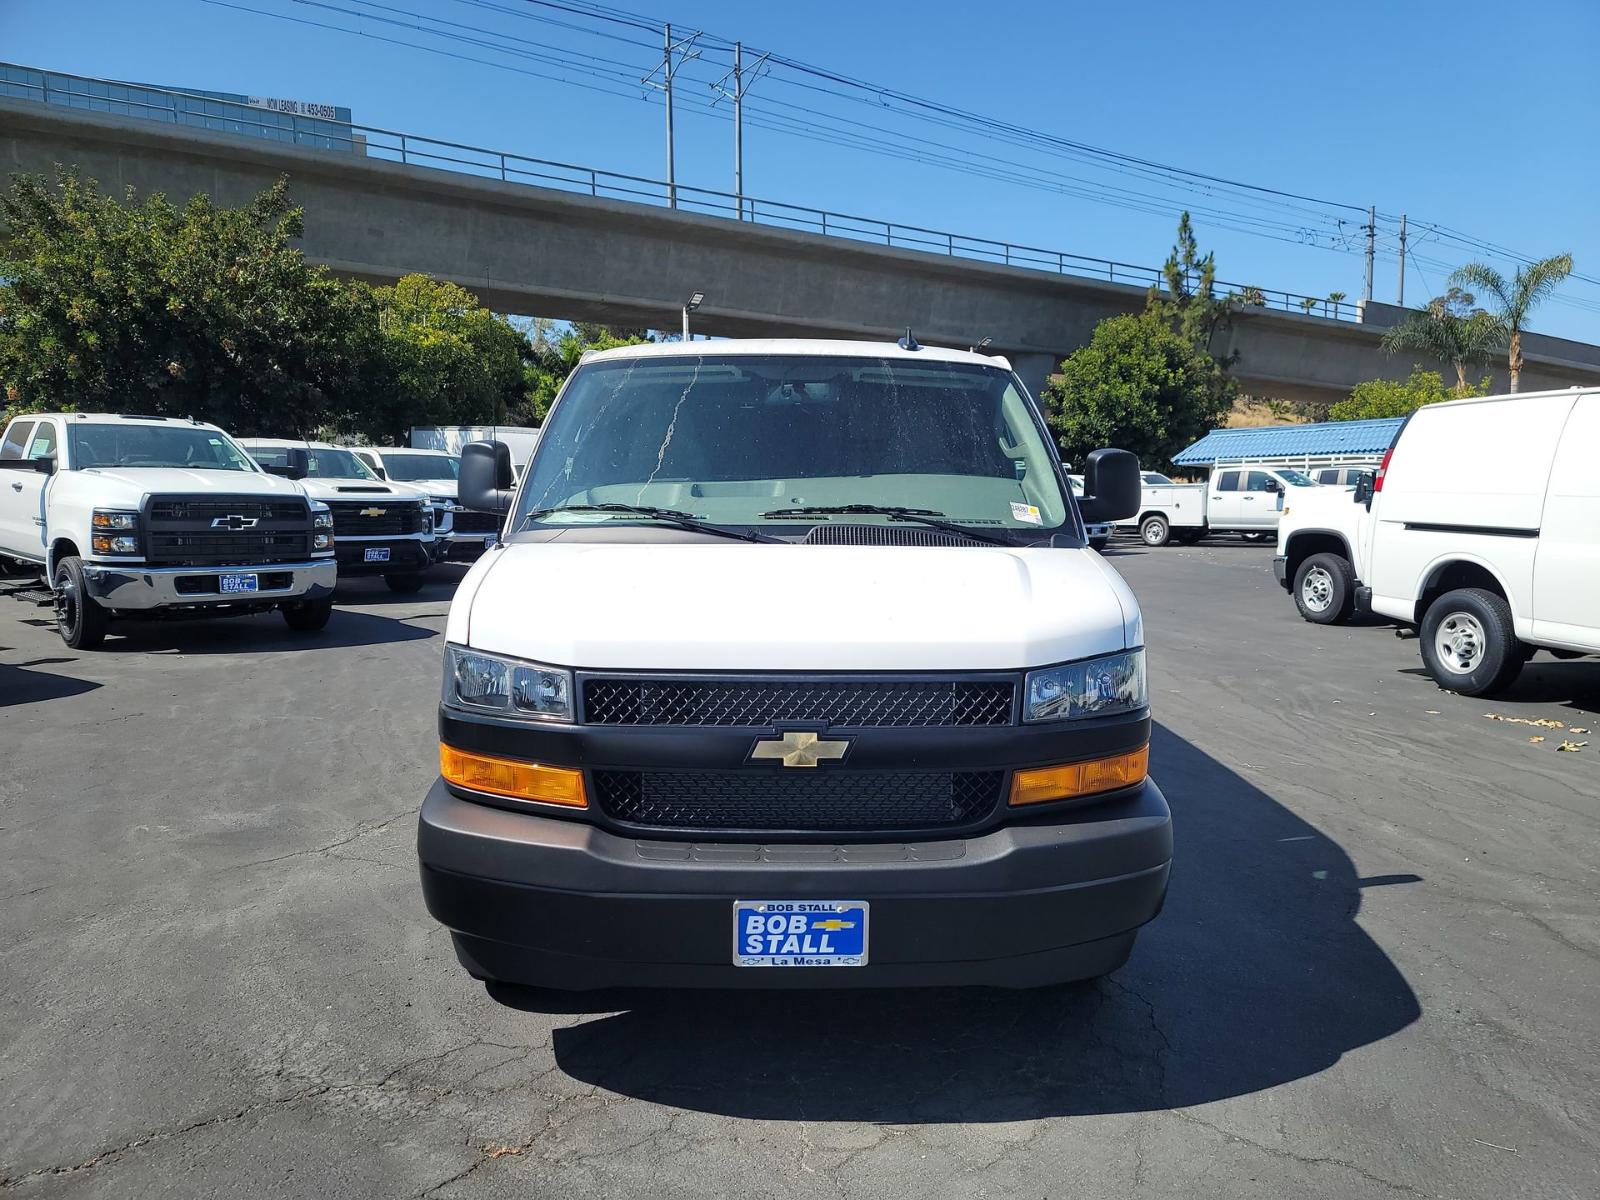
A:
[(1112, 489), (298, 465), (45, 464), (1272, 486), (1363, 492), (487, 482)]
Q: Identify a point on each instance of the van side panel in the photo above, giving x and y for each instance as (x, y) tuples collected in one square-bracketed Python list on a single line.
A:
[(1467, 481), (1566, 577)]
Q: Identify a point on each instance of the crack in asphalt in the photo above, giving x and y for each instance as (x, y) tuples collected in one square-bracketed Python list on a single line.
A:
[(360, 831)]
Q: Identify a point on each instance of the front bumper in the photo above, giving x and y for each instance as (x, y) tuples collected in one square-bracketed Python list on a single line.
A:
[(133, 587), (562, 903), (1280, 570), (406, 555)]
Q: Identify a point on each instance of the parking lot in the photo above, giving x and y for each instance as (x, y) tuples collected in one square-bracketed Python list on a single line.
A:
[(1376, 973)]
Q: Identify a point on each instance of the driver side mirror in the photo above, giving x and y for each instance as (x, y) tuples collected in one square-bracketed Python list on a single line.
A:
[(1272, 486), (487, 482), (298, 465), (1363, 492), (1112, 489), (45, 464)]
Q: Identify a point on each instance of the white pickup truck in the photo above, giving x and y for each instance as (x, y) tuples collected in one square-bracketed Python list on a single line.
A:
[(151, 517), (1243, 498)]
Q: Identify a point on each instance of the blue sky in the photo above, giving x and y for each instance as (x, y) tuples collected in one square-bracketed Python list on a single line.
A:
[(1410, 106)]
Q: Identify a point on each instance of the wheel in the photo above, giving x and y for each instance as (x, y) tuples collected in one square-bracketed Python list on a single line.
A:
[(1154, 530), (405, 585), (1468, 643), (1255, 535), (1189, 537), (79, 619), (1100, 543), (1324, 589), (307, 616)]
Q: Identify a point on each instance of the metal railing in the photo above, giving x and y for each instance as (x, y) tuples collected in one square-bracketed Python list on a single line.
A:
[(227, 116)]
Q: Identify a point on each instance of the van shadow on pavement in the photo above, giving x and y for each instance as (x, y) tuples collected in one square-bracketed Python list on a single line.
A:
[(261, 632), (20, 685), (1255, 974)]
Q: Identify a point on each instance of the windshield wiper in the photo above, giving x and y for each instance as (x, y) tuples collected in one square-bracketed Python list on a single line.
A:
[(670, 516), (920, 516)]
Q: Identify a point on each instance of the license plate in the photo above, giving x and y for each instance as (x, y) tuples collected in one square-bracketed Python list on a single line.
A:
[(799, 933), (488, 542), (238, 583), (377, 554)]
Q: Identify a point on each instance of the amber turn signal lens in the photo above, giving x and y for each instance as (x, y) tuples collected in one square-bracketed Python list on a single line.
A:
[(1070, 780), (509, 777)]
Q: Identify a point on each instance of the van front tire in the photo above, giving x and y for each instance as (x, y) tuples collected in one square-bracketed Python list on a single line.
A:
[(1324, 589), (307, 616), (1469, 644), (79, 618)]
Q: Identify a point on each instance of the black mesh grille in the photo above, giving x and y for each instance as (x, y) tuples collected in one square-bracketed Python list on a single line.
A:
[(218, 531), (817, 800), (210, 510), (886, 535), (477, 522), (766, 702), (221, 547), (370, 518)]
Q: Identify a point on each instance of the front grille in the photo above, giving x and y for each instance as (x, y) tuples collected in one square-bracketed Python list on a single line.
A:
[(468, 521), (359, 518), (766, 702), (218, 531), (817, 801)]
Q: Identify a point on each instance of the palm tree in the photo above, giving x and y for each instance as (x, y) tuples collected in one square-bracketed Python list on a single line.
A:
[(1451, 330), (1516, 298)]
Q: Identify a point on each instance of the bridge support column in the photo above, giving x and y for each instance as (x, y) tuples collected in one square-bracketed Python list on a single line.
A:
[(1033, 370)]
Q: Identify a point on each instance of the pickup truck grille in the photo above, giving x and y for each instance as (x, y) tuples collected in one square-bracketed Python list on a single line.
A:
[(468, 521), (766, 702), (807, 801), (376, 518), (225, 530)]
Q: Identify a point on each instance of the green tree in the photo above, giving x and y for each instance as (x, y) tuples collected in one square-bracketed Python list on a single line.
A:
[(1450, 329), (555, 355), (1396, 398), (1516, 298), (1138, 385), (1189, 302), (201, 311), (445, 360)]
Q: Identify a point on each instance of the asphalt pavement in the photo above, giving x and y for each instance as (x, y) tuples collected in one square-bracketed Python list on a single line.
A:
[(1378, 971)]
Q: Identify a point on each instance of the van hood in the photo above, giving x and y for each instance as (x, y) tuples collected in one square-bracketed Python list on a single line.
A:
[(438, 489), (733, 607), (137, 482)]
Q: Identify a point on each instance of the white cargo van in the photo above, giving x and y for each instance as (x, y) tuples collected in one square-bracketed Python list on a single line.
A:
[(1481, 527), (793, 669)]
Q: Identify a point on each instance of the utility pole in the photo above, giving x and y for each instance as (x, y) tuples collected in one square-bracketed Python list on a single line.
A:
[(1400, 293), (740, 87), (1372, 249), (668, 69)]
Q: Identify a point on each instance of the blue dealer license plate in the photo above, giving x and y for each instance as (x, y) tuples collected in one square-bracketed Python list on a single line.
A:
[(800, 933), (377, 554), (238, 583)]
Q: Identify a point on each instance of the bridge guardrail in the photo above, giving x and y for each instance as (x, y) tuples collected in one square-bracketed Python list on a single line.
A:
[(174, 106)]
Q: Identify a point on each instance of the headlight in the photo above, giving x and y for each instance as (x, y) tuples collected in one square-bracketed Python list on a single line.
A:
[(514, 688), (321, 516), (105, 543), (1096, 687), (105, 518)]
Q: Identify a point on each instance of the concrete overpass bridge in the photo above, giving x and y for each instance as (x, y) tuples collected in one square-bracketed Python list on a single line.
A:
[(563, 247)]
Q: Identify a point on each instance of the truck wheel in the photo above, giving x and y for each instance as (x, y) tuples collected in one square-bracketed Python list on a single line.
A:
[(405, 585), (1100, 543), (1469, 644), (79, 619), (1154, 531), (1324, 589), (1254, 535), (307, 616), (1189, 537)]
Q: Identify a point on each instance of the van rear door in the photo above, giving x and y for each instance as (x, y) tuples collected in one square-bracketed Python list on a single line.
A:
[(1566, 572)]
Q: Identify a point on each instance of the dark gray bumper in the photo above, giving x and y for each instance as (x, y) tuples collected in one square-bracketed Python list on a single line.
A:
[(1280, 570), (562, 903)]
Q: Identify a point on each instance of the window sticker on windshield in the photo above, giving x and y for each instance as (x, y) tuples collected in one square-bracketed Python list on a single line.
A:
[(1026, 512)]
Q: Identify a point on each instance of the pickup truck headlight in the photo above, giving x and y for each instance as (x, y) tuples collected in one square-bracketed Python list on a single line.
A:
[(1096, 687), (106, 518), (105, 543), (511, 687), (321, 526)]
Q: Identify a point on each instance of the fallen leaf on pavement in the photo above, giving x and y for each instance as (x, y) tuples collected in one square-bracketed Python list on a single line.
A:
[(1432, 712), (1538, 737), (1573, 747), (1575, 729), (1542, 723)]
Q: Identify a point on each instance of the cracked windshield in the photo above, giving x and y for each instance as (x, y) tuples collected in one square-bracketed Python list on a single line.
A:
[(743, 439)]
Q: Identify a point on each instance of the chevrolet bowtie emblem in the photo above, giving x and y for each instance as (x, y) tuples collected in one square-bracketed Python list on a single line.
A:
[(796, 749), (371, 512)]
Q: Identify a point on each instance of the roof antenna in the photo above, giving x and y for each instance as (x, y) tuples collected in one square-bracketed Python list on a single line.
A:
[(909, 342)]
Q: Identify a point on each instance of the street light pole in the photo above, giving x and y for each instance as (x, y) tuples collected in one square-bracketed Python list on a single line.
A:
[(1400, 295)]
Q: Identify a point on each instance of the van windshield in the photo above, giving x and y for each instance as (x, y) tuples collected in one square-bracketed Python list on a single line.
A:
[(738, 439), (415, 468), (97, 444)]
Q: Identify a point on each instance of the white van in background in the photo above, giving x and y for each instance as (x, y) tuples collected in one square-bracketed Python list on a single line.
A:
[(1482, 528)]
